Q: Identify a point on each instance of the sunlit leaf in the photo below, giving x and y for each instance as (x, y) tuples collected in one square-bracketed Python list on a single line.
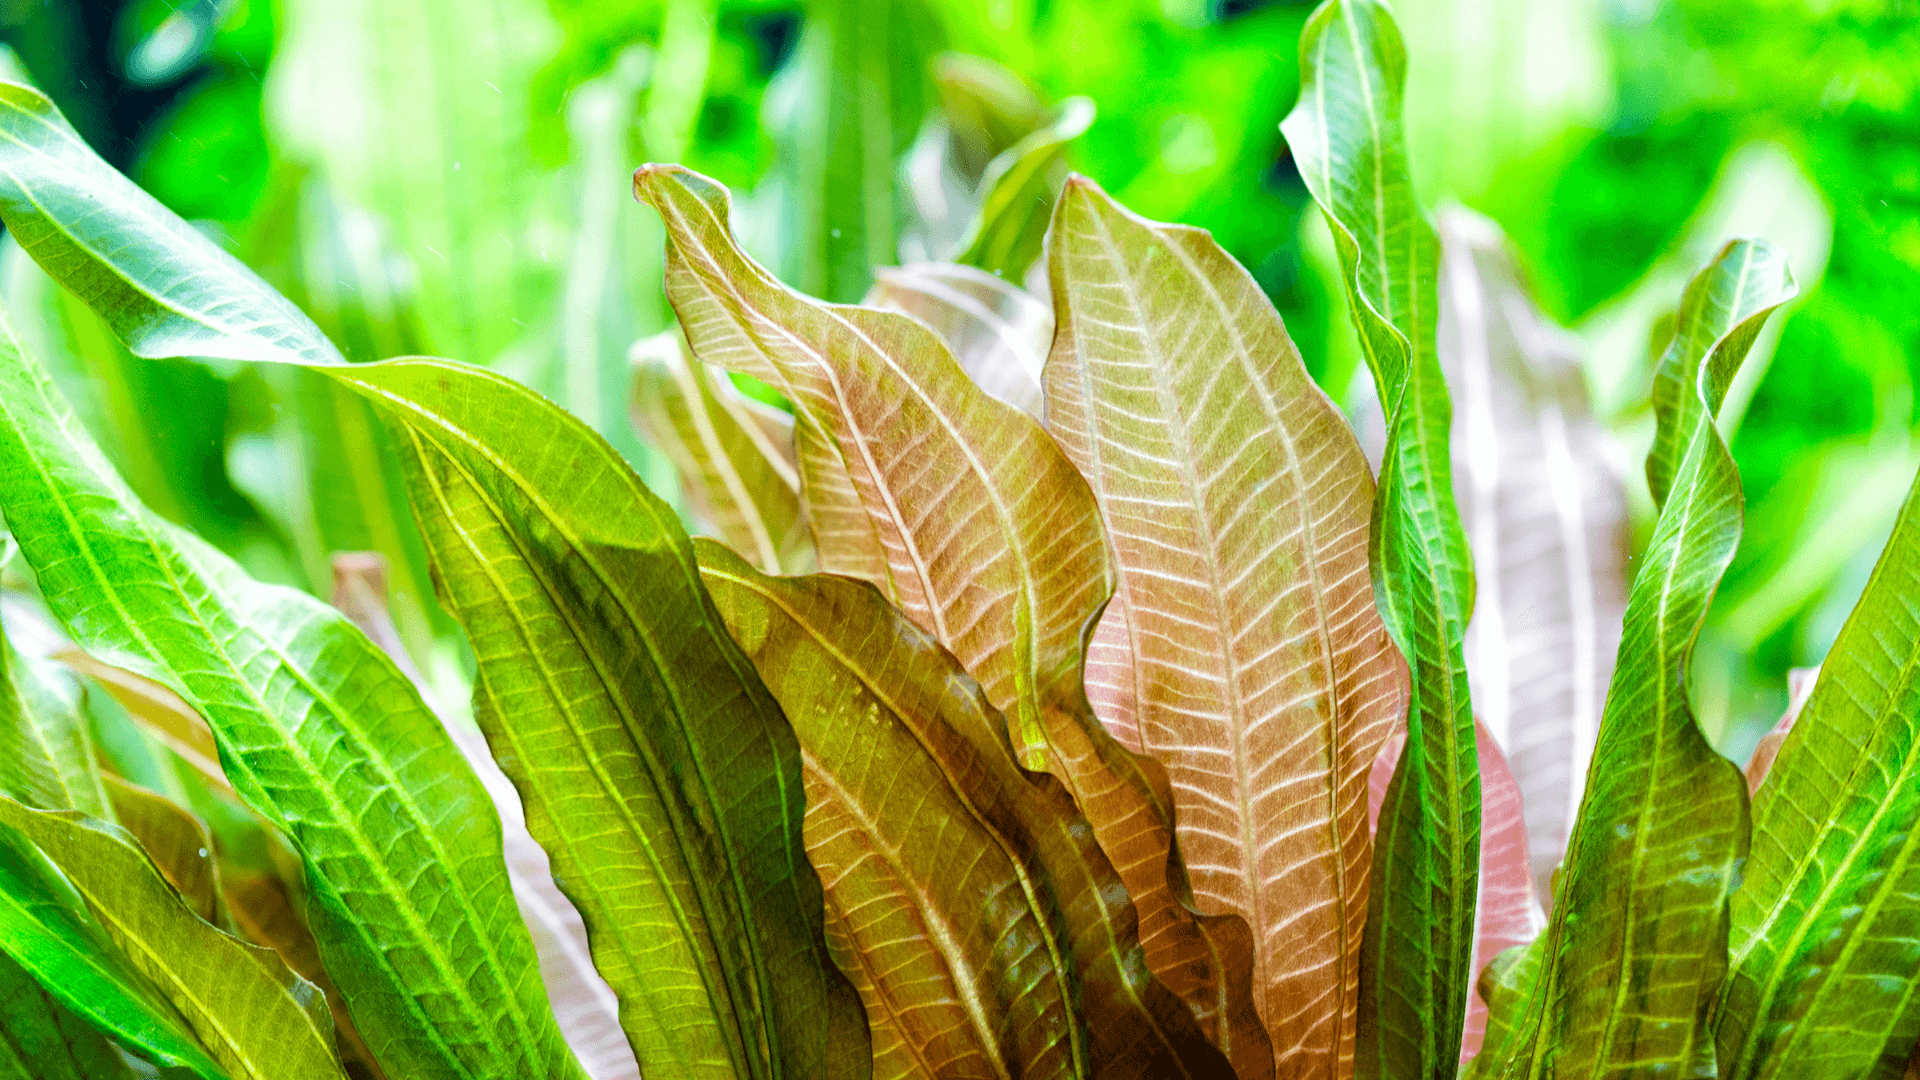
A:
[(998, 331), (1663, 827), (991, 540), (317, 731), (68, 208), (656, 770), (1346, 134), (739, 477), (1546, 516), (1824, 975), (915, 812), (47, 931), (255, 1017), (1258, 673)]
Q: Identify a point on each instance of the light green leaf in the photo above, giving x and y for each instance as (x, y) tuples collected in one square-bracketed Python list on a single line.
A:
[(317, 731), (46, 929), (46, 750), (1346, 133), (1631, 960), (655, 768), (1825, 978), (1018, 192), (259, 1020), (165, 289), (41, 1039)]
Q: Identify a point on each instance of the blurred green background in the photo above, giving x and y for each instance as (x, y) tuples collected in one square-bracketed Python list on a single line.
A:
[(451, 176)]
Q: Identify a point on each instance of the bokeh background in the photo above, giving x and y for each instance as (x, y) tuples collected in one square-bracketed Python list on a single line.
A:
[(451, 177)]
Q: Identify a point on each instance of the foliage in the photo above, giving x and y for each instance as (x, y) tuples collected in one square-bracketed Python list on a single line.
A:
[(1072, 690)]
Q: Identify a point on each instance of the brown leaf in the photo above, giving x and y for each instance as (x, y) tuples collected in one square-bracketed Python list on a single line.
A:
[(991, 540), (1238, 504), (998, 331)]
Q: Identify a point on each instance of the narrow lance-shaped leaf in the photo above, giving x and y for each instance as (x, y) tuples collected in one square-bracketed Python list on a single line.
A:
[(737, 471), (256, 1018), (654, 767), (47, 931), (1253, 663), (1346, 133), (1546, 516), (915, 812), (1825, 977), (998, 331), (1507, 912), (587, 1009), (1017, 195), (991, 543), (41, 1039), (317, 730), (64, 205), (1663, 827)]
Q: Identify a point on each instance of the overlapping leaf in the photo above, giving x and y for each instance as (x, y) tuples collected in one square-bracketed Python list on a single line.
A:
[(48, 933), (41, 1039), (998, 331), (318, 732), (178, 843), (736, 466), (46, 752), (1625, 975), (1546, 517), (1507, 912), (988, 934), (661, 777), (1824, 979), (991, 541), (1347, 136), (1800, 683), (256, 1018), (1248, 656), (1017, 195)]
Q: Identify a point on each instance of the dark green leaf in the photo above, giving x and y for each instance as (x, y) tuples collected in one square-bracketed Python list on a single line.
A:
[(1346, 133), (41, 1039)]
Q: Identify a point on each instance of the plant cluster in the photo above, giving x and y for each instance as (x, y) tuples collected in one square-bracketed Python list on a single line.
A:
[(1070, 696)]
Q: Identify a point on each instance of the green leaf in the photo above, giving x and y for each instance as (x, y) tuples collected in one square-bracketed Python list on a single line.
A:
[(255, 1017), (1347, 135), (1018, 192), (46, 751), (1630, 964), (46, 929), (987, 107), (1242, 650), (1825, 977), (915, 811), (41, 1039), (164, 288), (655, 768), (841, 112), (317, 731)]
